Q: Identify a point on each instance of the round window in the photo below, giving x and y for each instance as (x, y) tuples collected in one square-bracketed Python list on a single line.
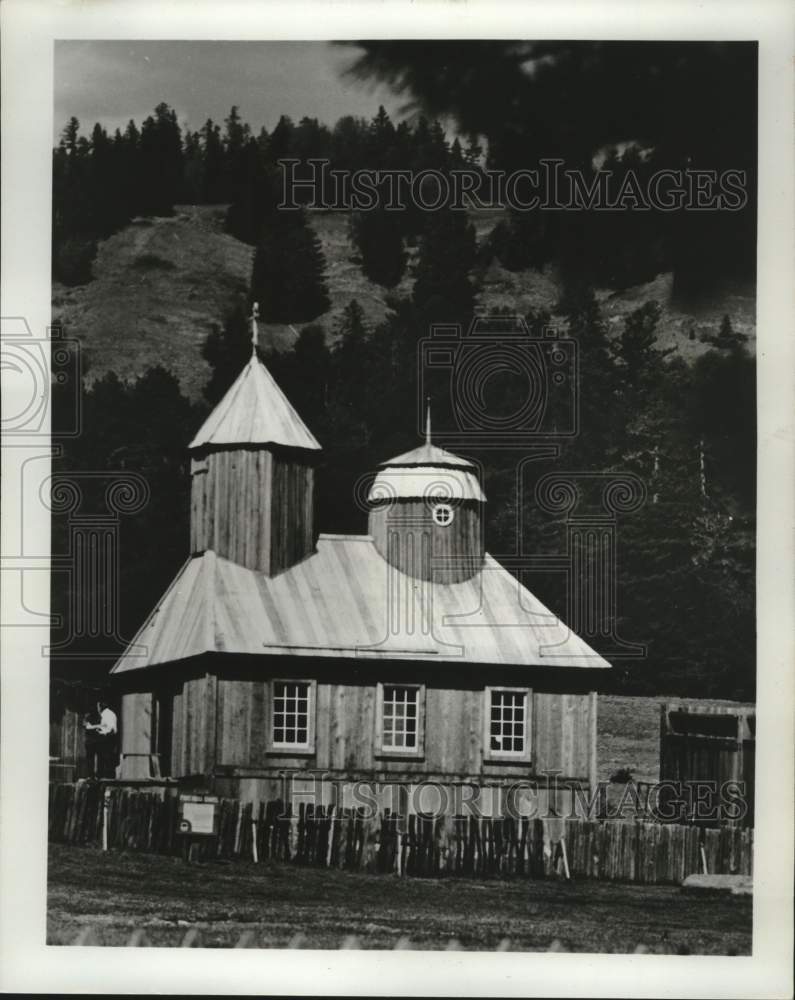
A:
[(443, 514)]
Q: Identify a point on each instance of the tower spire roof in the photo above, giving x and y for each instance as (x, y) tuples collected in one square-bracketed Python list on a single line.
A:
[(421, 473), (429, 454), (255, 411)]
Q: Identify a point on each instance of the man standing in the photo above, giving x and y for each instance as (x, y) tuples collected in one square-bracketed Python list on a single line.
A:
[(102, 746)]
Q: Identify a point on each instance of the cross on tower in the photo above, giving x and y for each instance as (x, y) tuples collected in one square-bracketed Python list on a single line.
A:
[(254, 330)]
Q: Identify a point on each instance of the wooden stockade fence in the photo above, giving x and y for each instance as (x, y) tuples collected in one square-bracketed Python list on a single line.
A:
[(480, 847)]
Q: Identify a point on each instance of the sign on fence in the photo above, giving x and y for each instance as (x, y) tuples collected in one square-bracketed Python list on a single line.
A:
[(198, 815)]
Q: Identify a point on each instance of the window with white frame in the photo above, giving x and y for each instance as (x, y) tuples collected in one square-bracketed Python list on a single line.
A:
[(291, 718), (443, 514), (400, 720), (507, 724)]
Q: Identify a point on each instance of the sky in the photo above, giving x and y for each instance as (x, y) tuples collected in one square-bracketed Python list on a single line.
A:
[(112, 81)]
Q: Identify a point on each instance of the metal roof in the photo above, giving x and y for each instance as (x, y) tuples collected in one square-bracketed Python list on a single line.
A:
[(255, 411), (338, 603), (425, 483)]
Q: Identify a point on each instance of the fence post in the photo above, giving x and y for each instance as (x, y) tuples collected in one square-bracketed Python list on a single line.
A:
[(105, 812)]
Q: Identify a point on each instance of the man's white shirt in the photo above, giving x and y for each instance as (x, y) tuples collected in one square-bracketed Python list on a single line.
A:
[(107, 722)]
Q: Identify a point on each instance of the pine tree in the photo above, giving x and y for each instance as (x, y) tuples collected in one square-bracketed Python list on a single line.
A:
[(727, 339), (456, 155), (349, 143), (351, 367), (595, 390), (106, 212), (281, 140), (443, 291), (130, 173), (637, 347), (723, 414), (288, 278), (377, 235), (351, 348), (213, 150), (474, 152), (521, 241), (193, 175), (69, 136), (309, 389), (439, 147), (380, 139), (253, 195), (161, 161), (227, 351), (309, 140), (235, 141), (76, 211)]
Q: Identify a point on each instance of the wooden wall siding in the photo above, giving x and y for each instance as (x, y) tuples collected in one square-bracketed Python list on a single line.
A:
[(561, 732), (405, 534), (177, 737), (253, 507), (136, 733), (453, 728), (701, 756), (193, 735), (292, 513), (241, 722)]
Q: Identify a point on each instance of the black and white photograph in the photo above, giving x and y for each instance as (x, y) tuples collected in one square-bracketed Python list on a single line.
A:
[(383, 503)]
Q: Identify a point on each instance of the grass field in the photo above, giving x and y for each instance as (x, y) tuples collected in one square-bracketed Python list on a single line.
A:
[(161, 284), (118, 893), (628, 736)]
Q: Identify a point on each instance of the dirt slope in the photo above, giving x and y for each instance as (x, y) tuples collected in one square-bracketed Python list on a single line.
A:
[(161, 284)]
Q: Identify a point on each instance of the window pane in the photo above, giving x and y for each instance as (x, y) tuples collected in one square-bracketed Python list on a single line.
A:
[(291, 714), (399, 717), (507, 722)]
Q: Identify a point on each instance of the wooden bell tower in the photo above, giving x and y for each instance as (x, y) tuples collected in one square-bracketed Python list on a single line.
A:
[(252, 476)]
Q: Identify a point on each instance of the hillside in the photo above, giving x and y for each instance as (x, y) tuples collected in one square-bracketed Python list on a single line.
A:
[(161, 284), (524, 290)]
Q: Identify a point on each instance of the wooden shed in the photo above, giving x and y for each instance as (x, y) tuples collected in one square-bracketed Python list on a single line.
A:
[(398, 658), (711, 742)]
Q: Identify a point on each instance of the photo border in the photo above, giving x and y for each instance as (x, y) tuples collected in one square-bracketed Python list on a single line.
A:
[(26, 963)]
